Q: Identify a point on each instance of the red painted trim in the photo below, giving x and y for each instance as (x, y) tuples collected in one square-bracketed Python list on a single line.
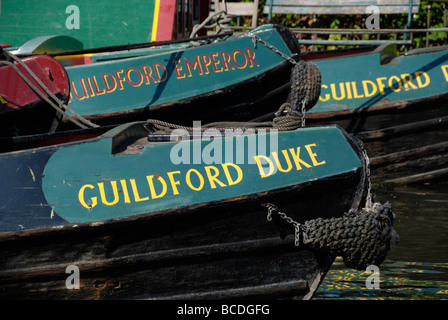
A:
[(167, 12), (16, 93)]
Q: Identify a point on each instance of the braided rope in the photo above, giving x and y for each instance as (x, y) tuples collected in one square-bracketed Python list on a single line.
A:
[(361, 239)]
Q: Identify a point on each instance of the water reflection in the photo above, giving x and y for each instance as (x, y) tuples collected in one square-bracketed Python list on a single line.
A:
[(418, 267)]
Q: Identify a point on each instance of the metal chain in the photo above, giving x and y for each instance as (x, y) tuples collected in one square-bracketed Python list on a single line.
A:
[(369, 183), (298, 228), (287, 58), (271, 47)]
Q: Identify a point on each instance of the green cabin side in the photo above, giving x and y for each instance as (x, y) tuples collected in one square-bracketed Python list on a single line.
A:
[(100, 23)]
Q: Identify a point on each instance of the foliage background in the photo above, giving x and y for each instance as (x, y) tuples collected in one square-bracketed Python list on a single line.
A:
[(420, 20)]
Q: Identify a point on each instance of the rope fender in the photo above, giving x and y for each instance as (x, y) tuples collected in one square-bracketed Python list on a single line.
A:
[(361, 239)]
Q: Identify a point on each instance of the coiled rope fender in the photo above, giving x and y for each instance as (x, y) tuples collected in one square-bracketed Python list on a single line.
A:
[(363, 238)]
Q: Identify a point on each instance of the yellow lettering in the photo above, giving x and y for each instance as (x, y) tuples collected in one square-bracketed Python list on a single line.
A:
[(381, 85), (327, 95), (251, 57), (120, 79), (173, 182), (93, 200), (333, 91), (391, 84), (111, 88), (98, 91), (92, 94), (125, 191), (226, 61), (213, 178), (206, 62), (103, 193), (297, 160), (129, 79), (84, 94), (178, 70), (231, 181), (260, 166), (214, 55), (3, 101), (366, 89), (161, 76), (355, 91), (135, 190), (313, 155), (288, 161), (201, 180), (445, 71), (419, 81), (244, 63), (147, 71), (349, 91), (150, 179), (407, 78), (196, 64)]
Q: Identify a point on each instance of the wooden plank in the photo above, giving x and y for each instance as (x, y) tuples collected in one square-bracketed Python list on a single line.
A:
[(353, 42), (402, 156), (238, 8), (417, 126), (421, 177), (336, 10), (287, 288)]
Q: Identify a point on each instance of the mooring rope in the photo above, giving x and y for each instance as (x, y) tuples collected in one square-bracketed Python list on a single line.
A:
[(305, 90), (286, 119)]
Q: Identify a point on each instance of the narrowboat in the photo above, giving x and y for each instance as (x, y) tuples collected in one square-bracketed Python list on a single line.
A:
[(219, 78), (208, 214), (397, 104)]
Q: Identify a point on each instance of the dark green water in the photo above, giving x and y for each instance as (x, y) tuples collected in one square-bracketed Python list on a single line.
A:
[(415, 269)]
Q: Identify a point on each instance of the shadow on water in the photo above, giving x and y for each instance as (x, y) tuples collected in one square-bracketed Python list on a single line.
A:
[(418, 267)]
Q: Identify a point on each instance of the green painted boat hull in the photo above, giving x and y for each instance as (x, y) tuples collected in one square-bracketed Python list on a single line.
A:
[(106, 178), (232, 79), (380, 78), (194, 240), (219, 79)]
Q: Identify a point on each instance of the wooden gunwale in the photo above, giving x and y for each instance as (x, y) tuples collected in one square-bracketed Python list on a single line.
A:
[(413, 127), (160, 258)]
